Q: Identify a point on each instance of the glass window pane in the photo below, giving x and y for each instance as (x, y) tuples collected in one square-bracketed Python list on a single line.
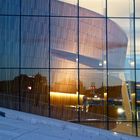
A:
[(92, 37), (64, 7), (93, 90), (121, 100), (9, 88), (120, 43), (34, 91), (138, 97), (35, 7), (10, 7), (9, 41), (92, 8), (35, 42), (137, 8), (137, 43), (64, 94), (63, 42), (119, 8)]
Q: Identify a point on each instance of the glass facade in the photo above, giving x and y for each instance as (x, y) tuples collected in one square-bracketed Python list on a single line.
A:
[(74, 60)]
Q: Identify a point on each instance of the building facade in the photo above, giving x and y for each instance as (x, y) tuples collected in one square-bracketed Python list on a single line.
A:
[(74, 60)]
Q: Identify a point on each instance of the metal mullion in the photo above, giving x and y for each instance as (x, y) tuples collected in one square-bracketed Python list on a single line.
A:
[(135, 67), (49, 102)]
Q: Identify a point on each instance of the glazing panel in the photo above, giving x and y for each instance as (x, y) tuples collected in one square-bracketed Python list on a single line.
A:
[(92, 8), (119, 8), (124, 127), (64, 94), (138, 99), (64, 7), (35, 7), (137, 43), (94, 105), (92, 43), (34, 91), (10, 7), (138, 93), (137, 8), (9, 41), (121, 99), (9, 88), (64, 43), (120, 43), (35, 42)]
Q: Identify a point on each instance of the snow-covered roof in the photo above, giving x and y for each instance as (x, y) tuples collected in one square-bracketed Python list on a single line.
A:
[(24, 126)]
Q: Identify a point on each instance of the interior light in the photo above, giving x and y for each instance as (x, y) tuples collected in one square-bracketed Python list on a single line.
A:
[(100, 64), (120, 110), (29, 87), (104, 62)]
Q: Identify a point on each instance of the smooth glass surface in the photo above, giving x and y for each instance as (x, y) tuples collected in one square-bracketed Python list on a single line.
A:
[(34, 91), (121, 95), (93, 8), (35, 7), (137, 43), (119, 8), (9, 88), (92, 43), (94, 105), (79, 68), (64, 7), (63, 42), (35, 42), (137, 8), (9, 41), (10, 7), (120, 43), (64, 94), (121, 101)]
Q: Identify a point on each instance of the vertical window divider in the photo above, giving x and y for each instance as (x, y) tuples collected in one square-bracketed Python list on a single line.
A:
[(19, 104), (135, 72), (78, 70), (107, 109), (49, 102)]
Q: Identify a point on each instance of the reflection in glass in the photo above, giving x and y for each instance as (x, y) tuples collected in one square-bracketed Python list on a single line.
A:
[(35, 7), (63, 42), (119, 8), (63, 7), (11, 7), (96, 8), (121, 99), (137, 43), (93, 87), (137, 8), (9, 88), (9, 41), (35, 44), (64, 94), (120, 43), (92, 43), (34, 91)]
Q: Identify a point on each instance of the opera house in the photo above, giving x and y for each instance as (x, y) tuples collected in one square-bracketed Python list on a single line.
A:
[(62, 65)]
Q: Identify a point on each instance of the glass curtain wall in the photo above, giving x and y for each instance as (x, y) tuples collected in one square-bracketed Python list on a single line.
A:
[(74, 60)]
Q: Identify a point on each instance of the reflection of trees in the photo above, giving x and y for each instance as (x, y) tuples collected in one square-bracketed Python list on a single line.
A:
[(33, 90)]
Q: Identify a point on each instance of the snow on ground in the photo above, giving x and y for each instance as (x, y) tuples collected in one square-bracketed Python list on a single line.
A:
[(24, 126)]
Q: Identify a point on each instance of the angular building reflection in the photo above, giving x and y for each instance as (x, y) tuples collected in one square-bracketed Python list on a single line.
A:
[(71, 63)]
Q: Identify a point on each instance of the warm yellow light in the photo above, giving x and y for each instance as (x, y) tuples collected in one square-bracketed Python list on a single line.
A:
[(120, 110), (29, 87), (65, 94)]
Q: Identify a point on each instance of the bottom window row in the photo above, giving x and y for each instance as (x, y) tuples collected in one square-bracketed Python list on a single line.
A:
[(92, 97)]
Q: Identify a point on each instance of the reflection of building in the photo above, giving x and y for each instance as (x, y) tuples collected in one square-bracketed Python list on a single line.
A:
[(69, 83)]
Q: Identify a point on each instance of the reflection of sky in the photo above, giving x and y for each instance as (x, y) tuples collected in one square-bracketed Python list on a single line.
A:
[(116, 8)]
